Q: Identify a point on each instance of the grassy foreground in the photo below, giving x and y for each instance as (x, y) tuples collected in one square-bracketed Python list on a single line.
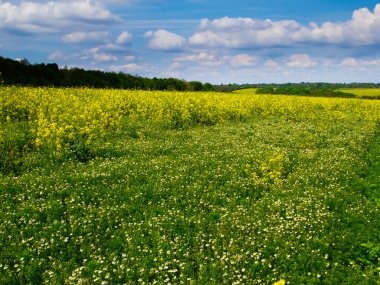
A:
[(286, 193)]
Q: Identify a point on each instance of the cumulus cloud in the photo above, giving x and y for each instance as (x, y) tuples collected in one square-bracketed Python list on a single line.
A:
[(95, 55), (98, 55), (246, 32), (270, 63), (243, 60), (129, 68), (202, 58), (125, 38), (176, 65), (80, 37), (362, 29), (112, 48), (104, 57), (349, 61), (300, 60), (352, 62), (165, 40), (52, 16), (57, 55)]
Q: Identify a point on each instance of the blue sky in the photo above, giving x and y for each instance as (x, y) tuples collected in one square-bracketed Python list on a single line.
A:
[(222, 41)]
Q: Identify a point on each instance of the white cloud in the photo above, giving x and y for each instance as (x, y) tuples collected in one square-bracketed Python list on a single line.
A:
[(270, 63), (98, 55), (165, 40), (52, 16), (374, 62), (349, 61), (300, 60), (246, 32), (79, 37), (129, 68), (243, 60), (125, 38), (62, 56), (95, 55), (202, 58), (56, 55), (59, 56), (176, 65), (113, 48), (352, 62), (105, 57), (236, 33)]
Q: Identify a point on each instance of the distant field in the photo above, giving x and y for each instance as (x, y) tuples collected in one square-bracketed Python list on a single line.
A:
[(360, 92), (246, 91)]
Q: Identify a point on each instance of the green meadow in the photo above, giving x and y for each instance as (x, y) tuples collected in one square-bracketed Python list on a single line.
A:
[(290, 191)]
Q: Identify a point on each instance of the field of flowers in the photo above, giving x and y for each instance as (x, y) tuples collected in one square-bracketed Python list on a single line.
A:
[(245, 91), (360, 92), (139, 187)]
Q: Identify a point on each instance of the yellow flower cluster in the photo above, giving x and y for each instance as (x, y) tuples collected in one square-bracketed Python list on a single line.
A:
[(59, 118), (280, 282), (273, 170), (268, 172)]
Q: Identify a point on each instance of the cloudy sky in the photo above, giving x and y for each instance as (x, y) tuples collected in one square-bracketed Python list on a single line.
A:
[(220, 41)]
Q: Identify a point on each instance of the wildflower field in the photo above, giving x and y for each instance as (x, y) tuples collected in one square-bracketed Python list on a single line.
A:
[(138, 187)]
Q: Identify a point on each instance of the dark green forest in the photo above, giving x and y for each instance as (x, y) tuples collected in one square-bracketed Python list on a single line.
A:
[(23, 73), (297, 89)]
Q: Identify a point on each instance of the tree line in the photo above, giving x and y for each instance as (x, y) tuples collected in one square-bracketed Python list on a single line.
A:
[(23, 73), (296, 88), (322, 91)]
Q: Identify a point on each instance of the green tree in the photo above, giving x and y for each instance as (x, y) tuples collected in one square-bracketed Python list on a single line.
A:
[(196, 86)]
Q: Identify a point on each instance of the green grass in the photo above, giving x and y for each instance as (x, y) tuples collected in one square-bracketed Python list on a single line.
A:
[(157, 205)]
